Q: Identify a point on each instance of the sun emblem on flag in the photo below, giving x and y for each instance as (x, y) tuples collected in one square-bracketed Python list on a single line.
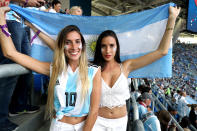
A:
[(91, 45)]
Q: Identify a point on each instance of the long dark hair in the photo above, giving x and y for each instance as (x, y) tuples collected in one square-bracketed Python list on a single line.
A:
[(98, 58)]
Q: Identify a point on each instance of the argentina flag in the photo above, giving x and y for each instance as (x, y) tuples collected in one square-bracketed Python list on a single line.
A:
[(138, 33)]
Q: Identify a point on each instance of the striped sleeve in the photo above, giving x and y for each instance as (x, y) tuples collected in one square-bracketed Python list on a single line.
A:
[(93, 69)]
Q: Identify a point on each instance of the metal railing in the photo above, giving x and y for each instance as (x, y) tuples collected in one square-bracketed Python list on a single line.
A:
[(135, 108), (166, 103), (8, 70), (164, 108), (136, 124)]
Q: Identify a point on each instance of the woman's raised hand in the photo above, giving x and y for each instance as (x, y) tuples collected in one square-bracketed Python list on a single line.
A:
[(28, 24), (3, 10), (174, 11)]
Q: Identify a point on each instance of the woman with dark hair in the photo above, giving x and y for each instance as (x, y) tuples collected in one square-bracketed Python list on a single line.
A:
[(74, 87), (115, 90)]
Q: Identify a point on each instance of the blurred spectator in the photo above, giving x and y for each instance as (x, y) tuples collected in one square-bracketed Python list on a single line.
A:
[(193, 115), (177, 96), (168, 92), (146, 89), (172, 110), (160, 90), (150, 121), (144, 103), (46, 7), (164, 119), (182, 105), (8, 84), (141, 90), (76, 10), (185, 122), (66, 11), (56, 6)]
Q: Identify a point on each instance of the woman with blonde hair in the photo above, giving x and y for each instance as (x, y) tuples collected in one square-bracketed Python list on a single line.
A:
[(74, 85)]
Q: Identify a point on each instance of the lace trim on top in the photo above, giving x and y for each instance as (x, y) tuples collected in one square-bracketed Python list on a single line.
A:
[(111, 107)]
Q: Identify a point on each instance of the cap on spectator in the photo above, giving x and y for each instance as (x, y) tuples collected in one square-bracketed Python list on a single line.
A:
[(145, 96)]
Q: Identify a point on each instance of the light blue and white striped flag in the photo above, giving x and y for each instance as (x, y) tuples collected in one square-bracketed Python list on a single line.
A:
[(138, 34)]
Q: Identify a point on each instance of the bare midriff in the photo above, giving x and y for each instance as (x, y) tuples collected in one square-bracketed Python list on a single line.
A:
[(114, 113), (72, 120)]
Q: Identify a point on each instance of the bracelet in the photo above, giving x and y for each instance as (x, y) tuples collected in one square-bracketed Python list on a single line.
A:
[(169, 29), (4, 31), (34, 37), (26, 2)]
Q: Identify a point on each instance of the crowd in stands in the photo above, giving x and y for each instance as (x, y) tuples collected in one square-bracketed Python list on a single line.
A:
[(183, 83), (184, 68), (159, 119)]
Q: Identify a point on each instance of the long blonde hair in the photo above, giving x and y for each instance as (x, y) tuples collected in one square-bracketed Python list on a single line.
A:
[(60, 63)]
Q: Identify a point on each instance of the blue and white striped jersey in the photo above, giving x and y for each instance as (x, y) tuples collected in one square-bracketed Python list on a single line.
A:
[(67, 94)]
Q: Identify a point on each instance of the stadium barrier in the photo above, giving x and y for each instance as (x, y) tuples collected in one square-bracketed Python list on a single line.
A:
[(8, 70), (156, 100)]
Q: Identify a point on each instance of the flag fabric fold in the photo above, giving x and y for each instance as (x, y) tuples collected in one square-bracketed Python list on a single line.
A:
[(138, 33)]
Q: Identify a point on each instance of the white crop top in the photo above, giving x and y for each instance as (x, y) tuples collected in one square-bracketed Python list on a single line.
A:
[(117, 95)]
